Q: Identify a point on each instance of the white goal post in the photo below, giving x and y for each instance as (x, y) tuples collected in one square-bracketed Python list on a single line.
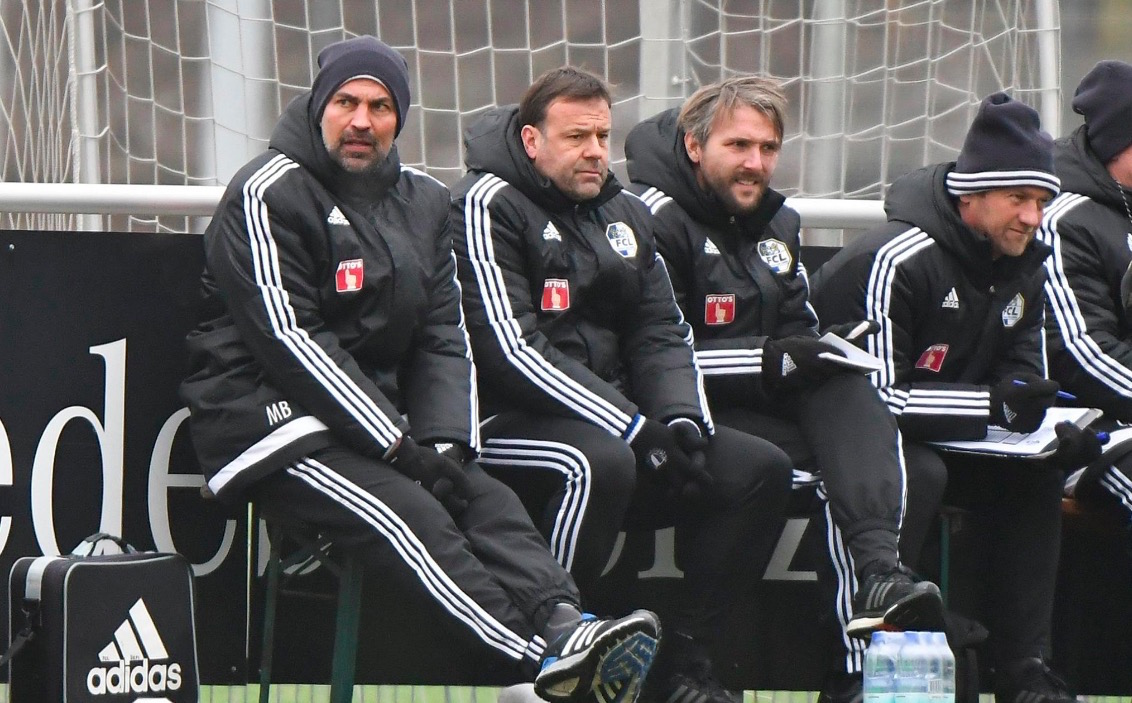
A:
[(167, 93)]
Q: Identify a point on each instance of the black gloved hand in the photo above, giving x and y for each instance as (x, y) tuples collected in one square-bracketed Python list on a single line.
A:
[(1019, 401), (1076, 446), (792, 363), (854, 332), (661, 457), (440, 474), (695, 477)]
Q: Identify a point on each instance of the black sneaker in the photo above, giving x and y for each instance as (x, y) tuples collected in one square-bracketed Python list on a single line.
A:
[(606, 658), (894, 600), (842, 687), (683, 674), (1030, 681)]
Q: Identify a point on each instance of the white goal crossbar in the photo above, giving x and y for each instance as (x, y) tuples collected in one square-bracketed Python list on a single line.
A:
[(192, 201)]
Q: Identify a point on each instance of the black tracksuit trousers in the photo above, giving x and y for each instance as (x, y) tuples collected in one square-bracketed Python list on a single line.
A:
[(1016, 508), (875, 489), (487, 570), (582, 487)]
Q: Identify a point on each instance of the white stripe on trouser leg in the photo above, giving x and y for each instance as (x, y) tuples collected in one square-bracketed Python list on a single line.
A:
[(556, 456), (1119, 485), (847, 585), (439, 585)]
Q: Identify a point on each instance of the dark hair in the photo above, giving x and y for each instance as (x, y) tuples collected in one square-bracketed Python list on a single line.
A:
[(565, 82)]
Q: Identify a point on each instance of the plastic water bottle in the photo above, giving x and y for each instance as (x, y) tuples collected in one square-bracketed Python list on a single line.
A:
[(913, 668), (942, 687), (880, 667)]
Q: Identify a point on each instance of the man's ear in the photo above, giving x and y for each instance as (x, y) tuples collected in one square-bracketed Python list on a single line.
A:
[(692, 146), (530, 137)]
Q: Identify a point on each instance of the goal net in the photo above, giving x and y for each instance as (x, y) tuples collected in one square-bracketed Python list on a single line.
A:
[(184, 92)]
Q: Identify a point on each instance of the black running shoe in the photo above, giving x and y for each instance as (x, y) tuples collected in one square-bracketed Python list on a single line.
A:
[(1030, 681), (842, 687), (683, 674), (606, 658), (894, 600)]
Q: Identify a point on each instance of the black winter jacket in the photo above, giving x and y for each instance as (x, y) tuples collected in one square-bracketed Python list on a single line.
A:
[(739, 280), (1090, 230), (569, 307), (953, 321), (330, 309)]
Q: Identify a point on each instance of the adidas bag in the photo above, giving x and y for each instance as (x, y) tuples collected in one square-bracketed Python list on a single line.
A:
[(101, 627)]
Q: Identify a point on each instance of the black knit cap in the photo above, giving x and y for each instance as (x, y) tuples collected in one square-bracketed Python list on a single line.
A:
[(361, 57), (1104, 97), (1005, 147)]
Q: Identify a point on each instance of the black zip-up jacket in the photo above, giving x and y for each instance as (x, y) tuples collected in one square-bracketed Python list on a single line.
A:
[(953, 322), (1090, 230), (569, 306), (739, 280), (331, 308)]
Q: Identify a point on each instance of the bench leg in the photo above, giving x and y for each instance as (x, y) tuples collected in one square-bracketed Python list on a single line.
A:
[(346, 631), (270, 601)]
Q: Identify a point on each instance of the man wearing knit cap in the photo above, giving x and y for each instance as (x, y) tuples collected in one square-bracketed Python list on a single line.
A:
[(1089, 227), (954, 280), (331, 382)]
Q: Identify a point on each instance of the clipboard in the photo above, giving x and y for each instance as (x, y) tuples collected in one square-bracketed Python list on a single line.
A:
[(1038, 444)]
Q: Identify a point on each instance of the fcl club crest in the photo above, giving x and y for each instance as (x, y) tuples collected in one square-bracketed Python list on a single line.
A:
[(348, 277), (1012, 313), (555, 295), (776, 255), (622, 239), (719, 309), (932, 358)]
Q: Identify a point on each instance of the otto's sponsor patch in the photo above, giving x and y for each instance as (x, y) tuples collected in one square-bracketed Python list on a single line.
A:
[(348, 277), (719, 309), (932, 358), (555, 294)]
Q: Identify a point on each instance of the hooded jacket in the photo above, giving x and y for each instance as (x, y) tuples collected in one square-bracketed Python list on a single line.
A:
[(330, 309), (738, 279), (1090, 230), (953, 321), (569, 306)]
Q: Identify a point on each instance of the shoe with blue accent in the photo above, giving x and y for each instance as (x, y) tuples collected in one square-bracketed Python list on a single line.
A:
[(607, 659)]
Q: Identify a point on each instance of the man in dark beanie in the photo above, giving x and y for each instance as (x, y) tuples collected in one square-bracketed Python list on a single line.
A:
[(331, 383), (954, 280), (1089, 227)]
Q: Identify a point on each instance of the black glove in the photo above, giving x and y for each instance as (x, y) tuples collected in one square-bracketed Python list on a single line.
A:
[(1019, 401), (793, 363), (661, 455), (691, 439), (1076, 446), (440, 474), (854, 332)]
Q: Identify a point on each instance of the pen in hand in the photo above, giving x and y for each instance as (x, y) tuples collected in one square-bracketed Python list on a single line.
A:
[(1060, 394)]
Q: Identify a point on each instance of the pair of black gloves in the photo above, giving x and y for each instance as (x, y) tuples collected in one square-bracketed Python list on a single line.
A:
[(1019, 403), (672, 454), (438, 468)]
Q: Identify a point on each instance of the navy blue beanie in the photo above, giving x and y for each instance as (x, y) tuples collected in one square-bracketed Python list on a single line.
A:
[(1005, 147), (361, 57), (1104, 97)]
